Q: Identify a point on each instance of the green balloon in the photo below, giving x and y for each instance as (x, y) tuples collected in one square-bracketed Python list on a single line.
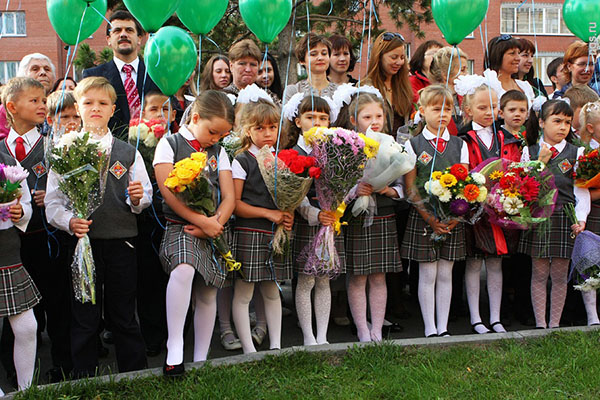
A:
[(582, 18), (458, 18), (201, 16), (170, 57), (152, 14), (266, 18), (65, 17)]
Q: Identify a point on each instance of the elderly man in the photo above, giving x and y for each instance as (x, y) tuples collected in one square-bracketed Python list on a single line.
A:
[(40, 68)]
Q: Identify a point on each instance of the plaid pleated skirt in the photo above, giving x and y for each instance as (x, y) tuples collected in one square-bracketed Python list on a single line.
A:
[(556, 241), (475, 235), (18, 293), (177, 247), (593, 220), (253, 249), (418, 246), (372, 249), (303, 234)]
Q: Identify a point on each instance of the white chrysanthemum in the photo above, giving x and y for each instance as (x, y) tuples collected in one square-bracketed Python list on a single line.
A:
[(478, 178), (435, 188), (446, 196), (483, 192), (141, 129), (67, 139), (511, 205)]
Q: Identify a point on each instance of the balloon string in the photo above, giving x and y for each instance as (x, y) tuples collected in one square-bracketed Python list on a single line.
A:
[(157, 49), (369, 35), (199, 64), (213, 42), (535, 44), (364, 24), (437, 139), (100, 14), (312, 97)]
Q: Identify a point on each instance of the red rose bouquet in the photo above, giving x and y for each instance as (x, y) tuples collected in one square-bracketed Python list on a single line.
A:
[(288, 178), (144, 135), (588, 170)]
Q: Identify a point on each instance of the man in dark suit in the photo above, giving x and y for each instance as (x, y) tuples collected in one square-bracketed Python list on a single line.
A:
[(126, 72)]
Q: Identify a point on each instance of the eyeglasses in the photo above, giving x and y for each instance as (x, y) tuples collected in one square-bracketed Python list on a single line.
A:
[(387, 36), (582, 64)]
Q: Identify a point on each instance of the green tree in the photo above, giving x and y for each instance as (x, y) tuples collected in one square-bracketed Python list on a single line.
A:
[(86, 57)]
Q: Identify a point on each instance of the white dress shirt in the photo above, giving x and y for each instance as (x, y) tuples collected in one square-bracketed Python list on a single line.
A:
[(29, 140), (59, 216), (164, 152), (26, 204), (120, 64), (485, 134), (582, 195), (428, 135)]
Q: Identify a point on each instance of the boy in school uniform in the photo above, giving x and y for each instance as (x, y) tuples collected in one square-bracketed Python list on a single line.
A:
[(112, 229), (25, 144)]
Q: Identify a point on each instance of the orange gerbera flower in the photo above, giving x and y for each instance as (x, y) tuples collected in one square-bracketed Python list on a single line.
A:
[(471, 192)]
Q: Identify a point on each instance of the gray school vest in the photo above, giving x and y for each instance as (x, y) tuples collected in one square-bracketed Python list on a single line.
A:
[(10, 243), (34, 164), (486, 153), (255, 193), (425, 152), (114, 219), (183, 149), (562, 169)]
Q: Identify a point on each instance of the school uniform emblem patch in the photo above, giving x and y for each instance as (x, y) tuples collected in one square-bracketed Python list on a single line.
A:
[(425, 158), (565, 165), (118, 170), (39, 169), (213, 163)]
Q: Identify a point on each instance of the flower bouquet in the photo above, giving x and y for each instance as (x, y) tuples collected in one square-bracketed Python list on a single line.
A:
[(342, 155), (588, 170), (190, 183), (231, 143), (585, 260), (10, 191), (81, 164), (288, 179), (454, 194), (392, 161), (521, 195), (144, 135)]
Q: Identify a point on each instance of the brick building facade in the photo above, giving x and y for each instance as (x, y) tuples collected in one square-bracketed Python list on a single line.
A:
[(26, 29)]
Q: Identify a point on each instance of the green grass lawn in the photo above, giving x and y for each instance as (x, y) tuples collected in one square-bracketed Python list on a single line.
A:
[(561, 365)]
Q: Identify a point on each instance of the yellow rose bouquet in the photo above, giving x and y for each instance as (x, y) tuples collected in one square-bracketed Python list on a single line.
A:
[(189, 182)]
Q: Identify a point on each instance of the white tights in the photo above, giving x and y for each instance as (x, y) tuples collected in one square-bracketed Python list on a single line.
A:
[(179, 293), (435, 292), (589, 299), (493, 267), (322, 307), (241, 300), (357, 298), (24, 326)]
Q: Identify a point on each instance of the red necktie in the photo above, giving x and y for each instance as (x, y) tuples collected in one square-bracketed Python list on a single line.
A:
[(441, 144), (554, 152), (20, 152), (195, 144), (133, 97)]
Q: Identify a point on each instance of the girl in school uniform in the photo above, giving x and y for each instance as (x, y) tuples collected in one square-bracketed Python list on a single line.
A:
[(372, 250), (484, 141), (589, 119), (18, 293), (435, 263), (185, 249), (551, 250), (303, 113), (256, 218)]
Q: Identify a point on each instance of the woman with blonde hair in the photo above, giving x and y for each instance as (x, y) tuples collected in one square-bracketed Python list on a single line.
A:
[(388, 72)]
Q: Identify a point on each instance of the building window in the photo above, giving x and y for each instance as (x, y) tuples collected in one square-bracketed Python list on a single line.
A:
[(8, 69), (540, 63), (543, 19), (470, 66), (12, 23)]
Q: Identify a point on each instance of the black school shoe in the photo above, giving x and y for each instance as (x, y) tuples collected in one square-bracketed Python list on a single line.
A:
[(173, 371)]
